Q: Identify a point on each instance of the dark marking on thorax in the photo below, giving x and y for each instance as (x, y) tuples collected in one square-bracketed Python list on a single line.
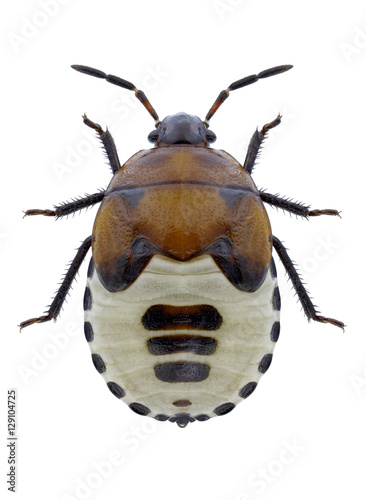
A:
[(232, 195), (132, 195)]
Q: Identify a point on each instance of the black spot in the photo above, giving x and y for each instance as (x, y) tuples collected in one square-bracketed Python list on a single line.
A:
[(140, 409), (88, 331), (224, 409), (276, 300), (161, 417), (265, 363), (116, 389), (273, 269), (171, 344), (202, 417), (182, 371), (87, 299), (98, 363), (239, 270), (167, 317), (181, 403), (275, 332), (247, 390), (91, 268), (182, 419)]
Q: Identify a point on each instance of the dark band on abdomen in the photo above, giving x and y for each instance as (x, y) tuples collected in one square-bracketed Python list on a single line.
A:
[(182, 371), (167, 317), (171, 344)]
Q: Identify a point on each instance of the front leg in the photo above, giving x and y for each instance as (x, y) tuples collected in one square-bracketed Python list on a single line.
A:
[(108, 143), (294, 208), (300, 290), (256, 142)]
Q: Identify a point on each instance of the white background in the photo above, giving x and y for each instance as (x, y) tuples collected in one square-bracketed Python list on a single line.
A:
[(302, 434)]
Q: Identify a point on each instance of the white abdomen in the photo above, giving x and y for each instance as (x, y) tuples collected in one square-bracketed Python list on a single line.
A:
[(170, 366)]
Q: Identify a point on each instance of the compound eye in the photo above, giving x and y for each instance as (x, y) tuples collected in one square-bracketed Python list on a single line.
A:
[(153, 136), (210, 136)]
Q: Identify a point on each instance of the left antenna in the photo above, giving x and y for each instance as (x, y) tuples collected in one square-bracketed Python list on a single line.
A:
[(121, 83)]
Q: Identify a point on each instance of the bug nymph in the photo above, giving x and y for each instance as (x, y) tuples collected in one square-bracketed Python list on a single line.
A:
[(182, 306)]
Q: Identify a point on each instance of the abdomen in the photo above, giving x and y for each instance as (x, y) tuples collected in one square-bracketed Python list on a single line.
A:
[(182, 343)]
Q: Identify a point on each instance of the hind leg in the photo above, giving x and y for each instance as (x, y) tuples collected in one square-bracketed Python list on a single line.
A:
[(55, 308), (300, 290)]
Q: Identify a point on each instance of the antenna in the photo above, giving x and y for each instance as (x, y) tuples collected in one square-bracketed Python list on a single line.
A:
[(248, 80), (121, 83)]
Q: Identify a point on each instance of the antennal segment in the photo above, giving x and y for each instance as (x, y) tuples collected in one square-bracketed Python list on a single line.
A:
[(248, 80), (121, 83)]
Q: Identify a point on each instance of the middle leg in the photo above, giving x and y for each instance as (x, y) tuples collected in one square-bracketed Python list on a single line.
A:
[(68, 207), (255, 144), (294, 208)]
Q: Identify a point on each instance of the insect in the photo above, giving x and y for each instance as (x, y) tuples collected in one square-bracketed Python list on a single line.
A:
[(182, 304)]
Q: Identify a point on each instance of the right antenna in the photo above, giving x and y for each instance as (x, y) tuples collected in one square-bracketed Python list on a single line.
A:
[(248, 80)]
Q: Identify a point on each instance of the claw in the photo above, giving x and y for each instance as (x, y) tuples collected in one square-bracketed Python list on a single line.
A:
[(28, 322), (334, 322), (326, 211), (36, 211)]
